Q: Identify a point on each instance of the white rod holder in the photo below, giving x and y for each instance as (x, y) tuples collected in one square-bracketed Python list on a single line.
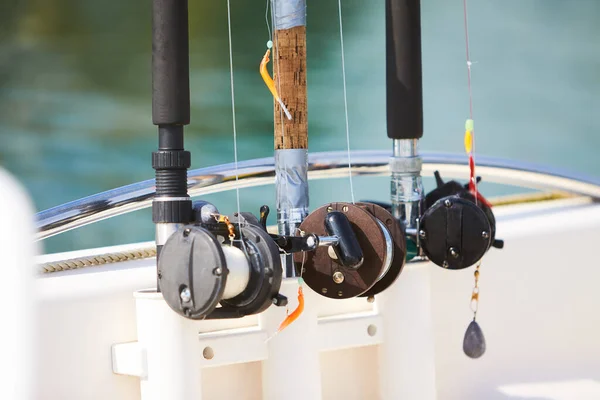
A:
[(407, 357), (292, 370), (173, 369)]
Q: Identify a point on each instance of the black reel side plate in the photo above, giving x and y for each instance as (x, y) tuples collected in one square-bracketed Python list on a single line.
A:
[(192, 258), (455, 233)]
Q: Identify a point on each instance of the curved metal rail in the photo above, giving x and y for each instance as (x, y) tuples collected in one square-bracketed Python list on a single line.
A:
[(326, 165)]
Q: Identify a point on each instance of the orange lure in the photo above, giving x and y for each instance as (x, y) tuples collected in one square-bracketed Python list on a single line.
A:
[(295, 314), (270, 84)]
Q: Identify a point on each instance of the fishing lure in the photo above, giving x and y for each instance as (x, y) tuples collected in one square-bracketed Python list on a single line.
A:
[(269, 81), (474, 344), (297, 312), (474, 341), (291, 317), (469, 150)]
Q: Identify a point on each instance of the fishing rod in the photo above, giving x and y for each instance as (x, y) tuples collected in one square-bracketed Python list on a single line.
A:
[(453, 226), (171, 206), (212, 265)]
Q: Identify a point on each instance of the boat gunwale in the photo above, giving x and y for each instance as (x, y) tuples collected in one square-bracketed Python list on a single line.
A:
[(324, 165)]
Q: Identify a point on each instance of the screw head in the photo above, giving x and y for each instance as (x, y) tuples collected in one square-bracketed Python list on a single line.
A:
[(218, 271), (371, 299), (338, 277), (422, 234), (329, 209), (186, 232), (340, 293), (445, 264), (311, 242), (345, 209), (324, 290), (185, 295), (447, 203), (453, 252), (485, 235)]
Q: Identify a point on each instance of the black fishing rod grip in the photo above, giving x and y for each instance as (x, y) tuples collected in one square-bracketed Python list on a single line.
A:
[(170, 63), (347, 249), (404, 83)]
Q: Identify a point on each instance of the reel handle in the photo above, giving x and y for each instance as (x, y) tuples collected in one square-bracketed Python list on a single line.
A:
[(347, 249)]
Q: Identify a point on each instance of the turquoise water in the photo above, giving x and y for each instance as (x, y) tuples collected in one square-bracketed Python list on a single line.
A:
[(75, 92)]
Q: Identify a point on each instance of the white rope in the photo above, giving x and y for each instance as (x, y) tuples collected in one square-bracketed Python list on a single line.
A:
[(345, 102)]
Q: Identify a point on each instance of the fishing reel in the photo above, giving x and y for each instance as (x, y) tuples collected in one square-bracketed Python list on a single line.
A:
[(458, 227), (356, 250), (220, 267)]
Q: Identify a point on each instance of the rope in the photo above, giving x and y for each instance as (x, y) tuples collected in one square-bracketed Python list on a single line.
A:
[(94, 261), (149, 252)]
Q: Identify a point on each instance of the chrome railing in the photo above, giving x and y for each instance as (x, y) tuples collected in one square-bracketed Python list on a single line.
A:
[(327, 165)]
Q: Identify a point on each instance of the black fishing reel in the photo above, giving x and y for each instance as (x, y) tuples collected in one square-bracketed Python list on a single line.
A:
[(357, 250), (456, 229), (220, 267)]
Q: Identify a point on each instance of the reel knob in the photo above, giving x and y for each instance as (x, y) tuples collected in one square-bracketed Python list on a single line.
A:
[(347, 250)]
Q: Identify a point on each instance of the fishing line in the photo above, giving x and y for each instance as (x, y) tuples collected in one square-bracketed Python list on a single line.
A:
[(469, 63), (345, 102), (235, 151), (267, 20), (474, 341), (469, 128)]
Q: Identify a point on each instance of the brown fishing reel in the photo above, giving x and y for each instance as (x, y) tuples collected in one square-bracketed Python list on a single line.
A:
[(361, 250)]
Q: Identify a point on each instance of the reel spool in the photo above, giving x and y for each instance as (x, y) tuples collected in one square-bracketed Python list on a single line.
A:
[(363, 229), (205, 275)]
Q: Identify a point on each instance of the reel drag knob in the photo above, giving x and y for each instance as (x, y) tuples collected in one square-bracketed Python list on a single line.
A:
[(455, 233)]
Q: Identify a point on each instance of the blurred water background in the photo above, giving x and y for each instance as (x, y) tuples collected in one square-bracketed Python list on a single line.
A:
[(75, 96)]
